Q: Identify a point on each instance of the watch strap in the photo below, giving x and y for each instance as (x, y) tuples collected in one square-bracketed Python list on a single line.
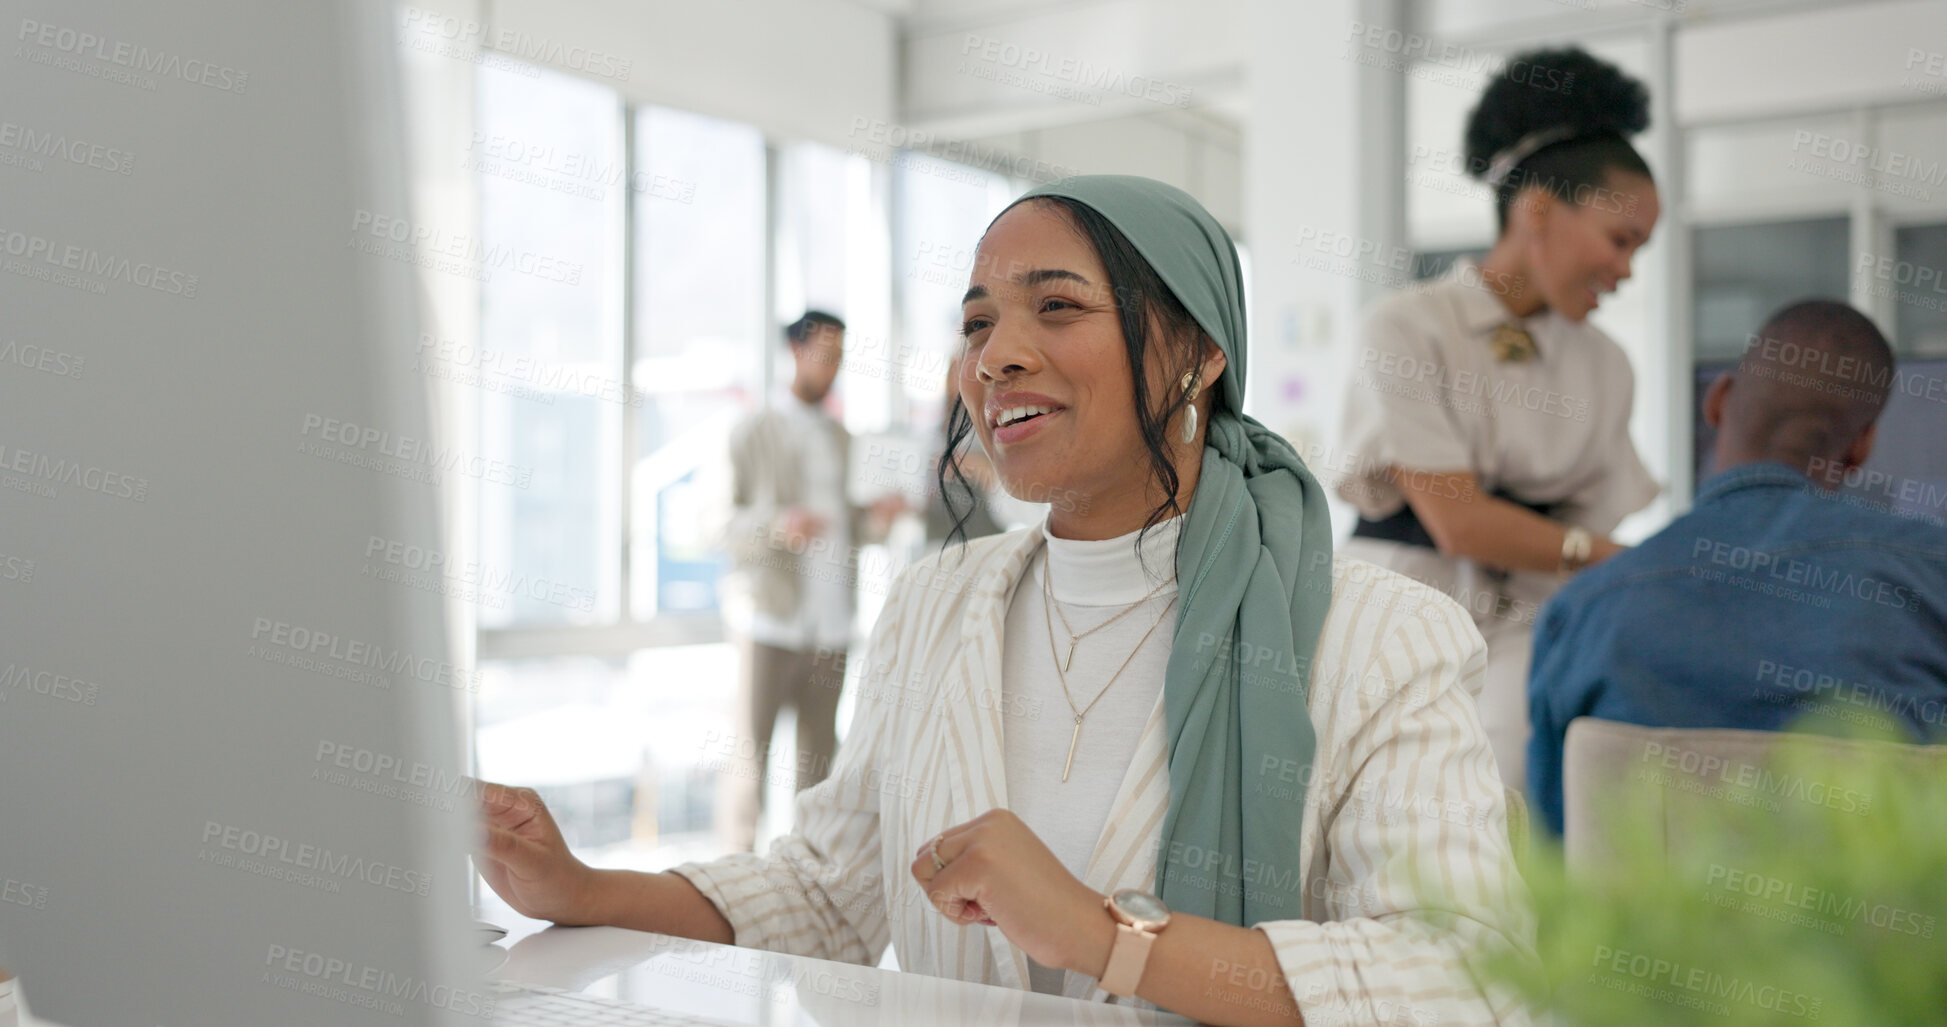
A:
[(1127, 957)]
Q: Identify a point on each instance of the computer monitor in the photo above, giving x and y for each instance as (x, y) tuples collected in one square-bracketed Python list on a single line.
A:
[(230, 772)]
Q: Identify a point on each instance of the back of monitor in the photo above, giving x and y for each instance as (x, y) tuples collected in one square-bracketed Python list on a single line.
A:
[(230, 786)]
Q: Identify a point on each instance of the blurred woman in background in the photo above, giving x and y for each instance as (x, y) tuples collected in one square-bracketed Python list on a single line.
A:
[(1487, 418)]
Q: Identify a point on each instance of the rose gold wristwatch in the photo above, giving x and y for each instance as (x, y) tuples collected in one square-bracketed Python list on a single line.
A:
[(1139, 918)]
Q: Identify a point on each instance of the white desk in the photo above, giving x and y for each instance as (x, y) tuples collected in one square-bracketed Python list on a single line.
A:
[(748, 986)]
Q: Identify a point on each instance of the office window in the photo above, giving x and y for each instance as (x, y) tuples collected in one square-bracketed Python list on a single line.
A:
[(1743, 274), (1746, 272), (942, 210), (700, 334), (547, 158), (831, 242), (621, 750), (1907, 471), (624, 336), (550, 725), (1918, 290), (610, 740)]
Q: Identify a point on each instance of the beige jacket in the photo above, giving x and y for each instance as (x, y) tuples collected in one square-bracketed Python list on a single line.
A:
[(766, 476), (1404, 854)]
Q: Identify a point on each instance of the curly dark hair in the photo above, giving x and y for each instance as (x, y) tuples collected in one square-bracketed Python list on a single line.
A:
[(1591, 102)]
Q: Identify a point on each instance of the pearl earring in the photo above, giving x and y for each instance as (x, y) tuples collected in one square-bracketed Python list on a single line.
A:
[(1189, 406)]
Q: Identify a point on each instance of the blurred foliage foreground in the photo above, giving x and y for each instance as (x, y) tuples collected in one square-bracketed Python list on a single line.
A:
[(1812, 891)]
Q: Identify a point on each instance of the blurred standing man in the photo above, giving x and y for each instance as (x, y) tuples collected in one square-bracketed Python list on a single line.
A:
[(792, 535)]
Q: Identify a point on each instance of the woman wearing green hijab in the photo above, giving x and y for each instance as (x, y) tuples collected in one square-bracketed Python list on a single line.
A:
[(1240, 818)]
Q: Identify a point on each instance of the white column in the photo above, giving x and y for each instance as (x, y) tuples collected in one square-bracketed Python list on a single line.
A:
[(1323, 162)]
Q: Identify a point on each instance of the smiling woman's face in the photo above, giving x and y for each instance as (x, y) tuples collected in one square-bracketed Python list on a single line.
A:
[(1580, 252), (1045, 375)]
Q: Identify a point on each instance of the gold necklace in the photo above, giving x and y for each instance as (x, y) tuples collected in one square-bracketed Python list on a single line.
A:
[(1075, 639), (1061, 675)]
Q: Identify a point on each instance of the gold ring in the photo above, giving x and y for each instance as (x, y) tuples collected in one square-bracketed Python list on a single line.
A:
[(933, 850)]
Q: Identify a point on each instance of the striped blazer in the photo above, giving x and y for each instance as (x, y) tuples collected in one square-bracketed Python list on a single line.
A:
[(1404, 855)]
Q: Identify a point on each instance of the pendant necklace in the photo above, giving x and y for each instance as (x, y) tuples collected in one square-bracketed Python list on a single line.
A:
[(1075, 639), (1061, 666)]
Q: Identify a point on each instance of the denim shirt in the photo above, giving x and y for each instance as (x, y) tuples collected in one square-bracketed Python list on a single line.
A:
[(1770, 600)]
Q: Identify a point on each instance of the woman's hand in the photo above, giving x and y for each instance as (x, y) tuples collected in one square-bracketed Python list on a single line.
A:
[(999, 874), (526, 861)]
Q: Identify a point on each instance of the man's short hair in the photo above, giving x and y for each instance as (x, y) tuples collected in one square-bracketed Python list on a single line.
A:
[(1813, 378), (798, 331)]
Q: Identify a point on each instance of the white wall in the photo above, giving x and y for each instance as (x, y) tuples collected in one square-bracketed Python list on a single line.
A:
[(1198, 154), (972, 71), (798, 69), (1140, 87), (1309, 183), (1855, 55)]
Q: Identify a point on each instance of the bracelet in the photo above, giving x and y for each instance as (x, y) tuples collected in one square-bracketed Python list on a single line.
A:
[(1577, 545)]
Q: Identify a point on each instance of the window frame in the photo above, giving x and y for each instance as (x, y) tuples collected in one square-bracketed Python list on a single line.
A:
[(628, 633)]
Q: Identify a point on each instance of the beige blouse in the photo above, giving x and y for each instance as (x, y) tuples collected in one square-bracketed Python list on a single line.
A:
[(1404, 858), (1427, 393)]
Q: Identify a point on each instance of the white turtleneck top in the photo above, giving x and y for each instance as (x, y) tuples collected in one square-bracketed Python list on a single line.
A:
[(1093, 581)]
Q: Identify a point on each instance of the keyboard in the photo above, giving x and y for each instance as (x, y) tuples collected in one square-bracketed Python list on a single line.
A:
[(531, 1005)]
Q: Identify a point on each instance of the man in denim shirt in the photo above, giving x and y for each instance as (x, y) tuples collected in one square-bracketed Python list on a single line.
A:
[(1774, 599)]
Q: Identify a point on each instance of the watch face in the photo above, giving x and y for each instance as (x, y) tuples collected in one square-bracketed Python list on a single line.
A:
[(1141, 905)]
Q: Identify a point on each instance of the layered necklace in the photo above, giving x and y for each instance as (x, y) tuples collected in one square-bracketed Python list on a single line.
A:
[(1061, 665)]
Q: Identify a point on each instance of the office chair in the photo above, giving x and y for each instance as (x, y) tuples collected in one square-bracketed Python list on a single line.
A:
[(1677, 784)]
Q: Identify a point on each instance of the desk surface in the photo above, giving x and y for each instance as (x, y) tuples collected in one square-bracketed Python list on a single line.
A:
[(746, 986), (749, 986)]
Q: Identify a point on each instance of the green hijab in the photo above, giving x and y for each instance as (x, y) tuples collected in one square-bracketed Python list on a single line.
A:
[(1254, 571)]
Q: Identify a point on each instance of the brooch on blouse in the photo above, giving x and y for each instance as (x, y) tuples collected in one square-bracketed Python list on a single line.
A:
[(1513, 345)]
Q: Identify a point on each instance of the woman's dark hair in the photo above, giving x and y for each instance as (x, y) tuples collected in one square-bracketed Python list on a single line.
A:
[(1140, 298), (1589, 103)]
